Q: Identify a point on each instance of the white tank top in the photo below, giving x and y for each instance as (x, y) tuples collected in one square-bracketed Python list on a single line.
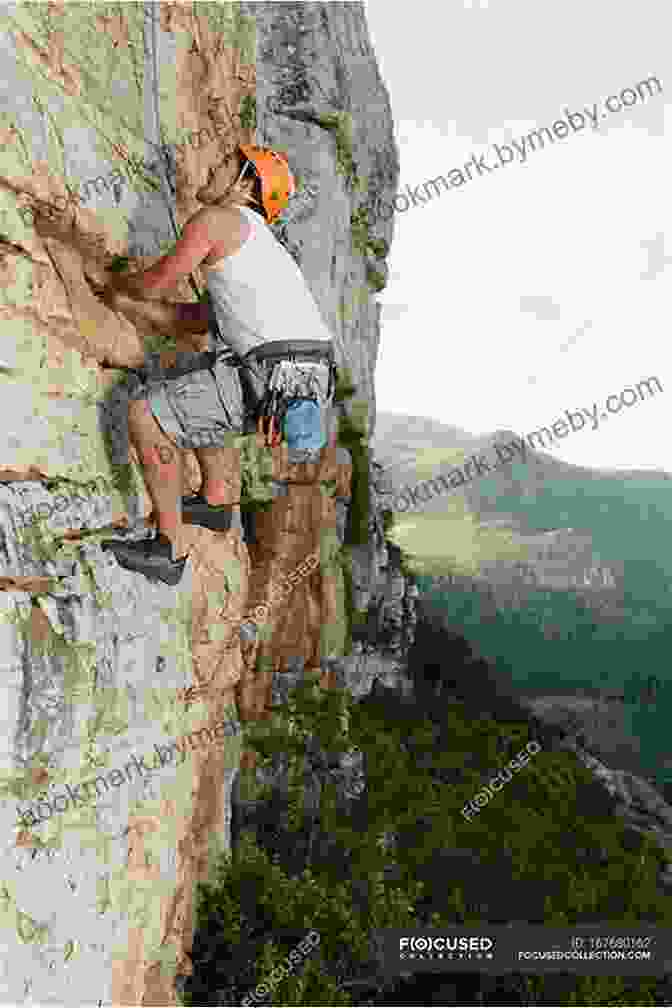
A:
[(259, 293)]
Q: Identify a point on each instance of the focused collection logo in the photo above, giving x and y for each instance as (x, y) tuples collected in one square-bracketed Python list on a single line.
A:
[(446, 947)]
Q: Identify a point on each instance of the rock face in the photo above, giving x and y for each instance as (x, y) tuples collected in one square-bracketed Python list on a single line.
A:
[(105, 673), (320, 97), (101, 667)]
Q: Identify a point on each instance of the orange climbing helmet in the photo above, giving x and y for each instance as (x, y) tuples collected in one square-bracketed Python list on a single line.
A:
[(277, 182)]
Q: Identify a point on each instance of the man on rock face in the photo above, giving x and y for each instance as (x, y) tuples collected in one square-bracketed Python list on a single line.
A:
[(257, 297)]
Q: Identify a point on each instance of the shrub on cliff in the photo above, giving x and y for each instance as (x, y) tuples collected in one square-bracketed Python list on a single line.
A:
[(543, 845), (352, 437), (256, 473)]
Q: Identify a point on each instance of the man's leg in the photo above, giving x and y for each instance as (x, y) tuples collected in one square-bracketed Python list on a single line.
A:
[(202, 411), (162, 470), (222, 398), (215, 466)]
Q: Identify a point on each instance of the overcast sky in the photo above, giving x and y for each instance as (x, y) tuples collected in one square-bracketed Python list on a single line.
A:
[(544, 287)]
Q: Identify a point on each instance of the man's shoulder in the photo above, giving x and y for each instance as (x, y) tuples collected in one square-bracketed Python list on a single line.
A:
[(218, 213), (208, 216), (224, 224)]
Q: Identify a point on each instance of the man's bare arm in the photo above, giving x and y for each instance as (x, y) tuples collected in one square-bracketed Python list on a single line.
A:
[(185, 322), (189, 252)]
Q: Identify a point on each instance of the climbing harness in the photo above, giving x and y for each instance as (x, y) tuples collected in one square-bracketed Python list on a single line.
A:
[(292, 377)]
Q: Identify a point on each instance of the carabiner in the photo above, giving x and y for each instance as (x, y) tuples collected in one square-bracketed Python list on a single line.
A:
[(270, 431), (275, 433)]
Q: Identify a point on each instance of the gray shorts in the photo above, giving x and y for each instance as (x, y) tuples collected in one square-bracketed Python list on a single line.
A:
[(199, 409)]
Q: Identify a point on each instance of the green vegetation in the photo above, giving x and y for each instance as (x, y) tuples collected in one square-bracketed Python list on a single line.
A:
[(354, 438), (353, 435), (450, 541), (359, 618), (595, 638), (345, 561), (362, 242), (345, 387), (379, 247), (119, 264), (390, 525), (256, 474), (341, 124), (430, 460), (300, 902), (389, 522), (248, 112), (360, 504), (420, 773), (375, 279), (360, 296), (359, 230)]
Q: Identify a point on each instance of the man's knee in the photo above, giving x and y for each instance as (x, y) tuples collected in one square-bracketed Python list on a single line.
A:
[(148, 432)]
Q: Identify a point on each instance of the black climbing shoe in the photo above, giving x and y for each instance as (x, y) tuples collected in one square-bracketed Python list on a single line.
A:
[(197, 511), (152, 557), (249, 523), (243, 522)]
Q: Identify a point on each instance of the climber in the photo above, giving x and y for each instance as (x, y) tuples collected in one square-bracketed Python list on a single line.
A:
[(257, 306)]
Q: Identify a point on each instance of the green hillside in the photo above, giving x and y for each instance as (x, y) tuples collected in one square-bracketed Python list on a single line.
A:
[(551, 641)]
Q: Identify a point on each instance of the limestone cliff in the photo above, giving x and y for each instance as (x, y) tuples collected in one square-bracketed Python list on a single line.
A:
[(102, 669)]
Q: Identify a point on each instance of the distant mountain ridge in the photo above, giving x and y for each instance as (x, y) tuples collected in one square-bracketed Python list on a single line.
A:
[(559, 558), (587, 605), (398, 439)]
